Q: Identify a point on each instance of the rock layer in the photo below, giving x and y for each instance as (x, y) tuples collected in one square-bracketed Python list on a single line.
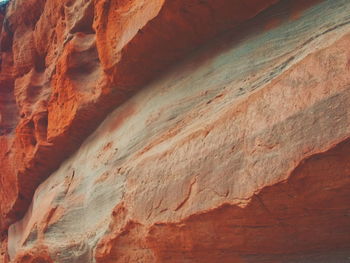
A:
[(240, 153), (66, 64)]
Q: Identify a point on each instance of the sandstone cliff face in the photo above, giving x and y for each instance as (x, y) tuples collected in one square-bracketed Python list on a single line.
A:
[(66, 64), (239, 153)]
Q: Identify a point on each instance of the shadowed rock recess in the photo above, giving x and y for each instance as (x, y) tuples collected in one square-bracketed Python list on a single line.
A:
[(175, 131)]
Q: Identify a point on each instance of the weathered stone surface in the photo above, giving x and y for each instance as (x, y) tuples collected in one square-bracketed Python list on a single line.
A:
[(66, 64), (241, 153)]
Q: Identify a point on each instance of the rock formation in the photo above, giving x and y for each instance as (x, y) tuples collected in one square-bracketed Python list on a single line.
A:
[(175, 131)]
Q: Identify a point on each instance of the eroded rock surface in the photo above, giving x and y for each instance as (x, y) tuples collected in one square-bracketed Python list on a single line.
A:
[(66, 64), (240, 153)]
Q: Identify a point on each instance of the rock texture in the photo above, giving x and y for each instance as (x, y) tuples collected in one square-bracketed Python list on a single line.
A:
[(66, 64), (239, 153)]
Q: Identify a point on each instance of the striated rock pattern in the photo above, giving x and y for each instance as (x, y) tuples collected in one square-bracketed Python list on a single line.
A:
[(66, 64), (240, 152)]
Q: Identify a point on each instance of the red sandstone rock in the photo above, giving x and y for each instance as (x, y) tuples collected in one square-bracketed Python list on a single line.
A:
[(238, 154), (39, 254), (64, 68)]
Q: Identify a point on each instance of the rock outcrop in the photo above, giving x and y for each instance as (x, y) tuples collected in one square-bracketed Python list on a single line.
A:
[(66, 64), (225, 131)]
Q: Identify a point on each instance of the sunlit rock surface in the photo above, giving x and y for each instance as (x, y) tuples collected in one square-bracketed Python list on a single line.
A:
[(238, 153)]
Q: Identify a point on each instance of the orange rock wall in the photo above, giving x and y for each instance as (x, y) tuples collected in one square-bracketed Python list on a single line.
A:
[(66, 64), (224, 135)]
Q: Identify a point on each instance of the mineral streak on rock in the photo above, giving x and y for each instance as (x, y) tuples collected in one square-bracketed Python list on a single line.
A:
[(240, 152)]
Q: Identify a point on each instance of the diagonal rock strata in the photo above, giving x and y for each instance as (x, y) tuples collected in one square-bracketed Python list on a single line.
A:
[(238, 153), (64, 68)]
